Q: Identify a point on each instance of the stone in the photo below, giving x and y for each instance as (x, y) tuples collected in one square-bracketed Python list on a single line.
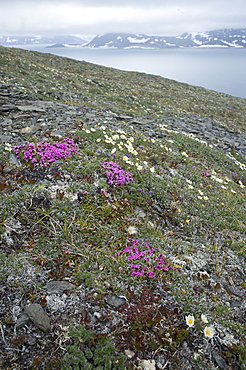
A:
[(59, 286), (22, 320), (38, 316), (26, 130), (115, 301), (231, 290), (26, 108), (219, 360)]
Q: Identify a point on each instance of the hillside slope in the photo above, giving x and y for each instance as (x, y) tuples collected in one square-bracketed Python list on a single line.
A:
[(122, 226)]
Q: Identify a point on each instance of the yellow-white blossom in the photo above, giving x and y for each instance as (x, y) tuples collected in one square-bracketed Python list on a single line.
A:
[(132, 230), (8, 147), (209, 331), (204, 318), (190, 320), (130, 149), (108, 139)]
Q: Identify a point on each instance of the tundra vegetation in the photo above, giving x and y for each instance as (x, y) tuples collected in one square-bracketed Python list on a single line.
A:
[(147, 224)]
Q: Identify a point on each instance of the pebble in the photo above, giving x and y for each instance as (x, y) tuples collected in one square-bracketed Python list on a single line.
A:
[(59, 286), (37, 315), (115, 301)]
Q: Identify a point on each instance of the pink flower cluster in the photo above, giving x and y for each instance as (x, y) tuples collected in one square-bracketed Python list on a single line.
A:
[(150, 261), (116, 175), (44, 153)]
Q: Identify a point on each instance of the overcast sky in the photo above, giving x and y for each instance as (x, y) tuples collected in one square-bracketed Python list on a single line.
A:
[(92, 17)]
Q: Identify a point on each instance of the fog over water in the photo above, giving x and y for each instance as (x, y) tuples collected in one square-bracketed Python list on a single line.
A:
[(219, 69)]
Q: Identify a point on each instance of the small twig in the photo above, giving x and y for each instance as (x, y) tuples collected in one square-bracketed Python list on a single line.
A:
[(2, 332)]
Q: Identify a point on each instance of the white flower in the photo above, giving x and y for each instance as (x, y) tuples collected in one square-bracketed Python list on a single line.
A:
[(8, 147), (204, 318), (209, 331), (108, 139), (184, 154), (132, 230), (139, 167), (113, 150), (98, 140), (190, 320), (130, 148)]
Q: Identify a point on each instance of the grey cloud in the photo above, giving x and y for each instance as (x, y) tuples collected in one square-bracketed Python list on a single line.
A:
[(159, 17)]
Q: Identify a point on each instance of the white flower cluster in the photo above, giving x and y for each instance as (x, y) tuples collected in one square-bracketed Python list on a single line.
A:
[(209, 331), (121, 142)]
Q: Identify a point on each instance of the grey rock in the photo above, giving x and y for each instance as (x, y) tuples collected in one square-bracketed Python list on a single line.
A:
[(219, 360), (232, 290), (115, 301), (59, 286), (7, 107), (37, 315), (6, 138), (22, 320), (31, 340), (26, 108), (140, 212)]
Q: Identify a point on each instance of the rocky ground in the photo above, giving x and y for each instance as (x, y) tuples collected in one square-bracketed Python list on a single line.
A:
[(23, 116), (37, 310)]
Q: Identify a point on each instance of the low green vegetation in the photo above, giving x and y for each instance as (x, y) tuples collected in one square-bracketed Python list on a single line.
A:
[(162, 214)]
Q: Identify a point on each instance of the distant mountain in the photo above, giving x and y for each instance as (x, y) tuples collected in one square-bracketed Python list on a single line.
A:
[(24, 40), (217, 38)]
